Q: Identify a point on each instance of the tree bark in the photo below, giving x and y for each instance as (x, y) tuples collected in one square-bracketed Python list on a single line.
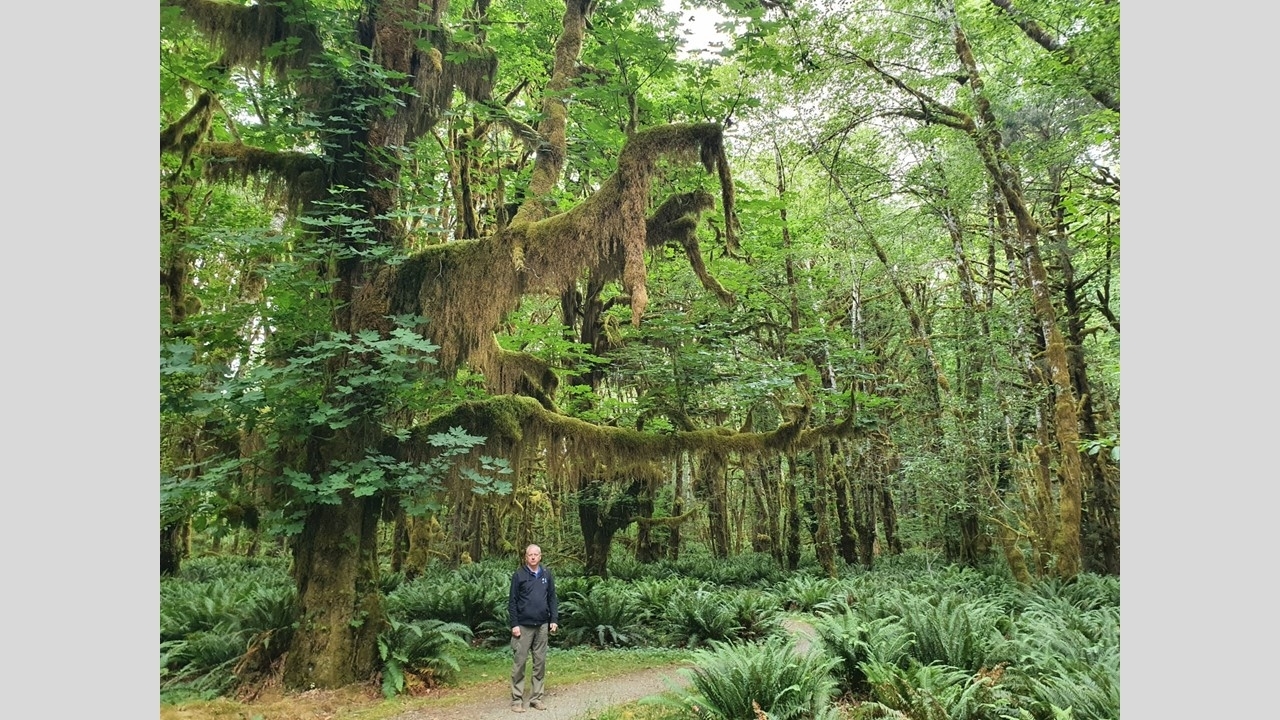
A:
[(677, 506), (864, 504), (339, 606), (793, 515), (174, 539), (848, 544), (714, 492), (821, 514)]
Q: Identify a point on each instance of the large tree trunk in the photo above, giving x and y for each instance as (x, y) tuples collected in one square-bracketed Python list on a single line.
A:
[(339, 607), (714, 491), (340, 611), (174, 538), (336, 552), (602, 516)]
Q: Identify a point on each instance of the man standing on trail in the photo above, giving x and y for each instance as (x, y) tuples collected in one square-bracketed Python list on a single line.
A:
[(532, 610)]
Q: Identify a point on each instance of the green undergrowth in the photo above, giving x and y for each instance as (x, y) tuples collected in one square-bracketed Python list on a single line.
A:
[(908, 639), (569, 666)]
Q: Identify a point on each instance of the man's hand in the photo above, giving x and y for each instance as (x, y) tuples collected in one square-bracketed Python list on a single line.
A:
[(515, 631), (554, 627)]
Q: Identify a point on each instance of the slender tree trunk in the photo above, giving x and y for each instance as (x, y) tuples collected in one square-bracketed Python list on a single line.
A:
[(822, 530), (848, 544), (677, 506), (774, 480), (888, 465), (1100, 514), (793, 515), (762, 537), (889, 520), (864, 513), (973, 542), (990, 145), (646, 547)]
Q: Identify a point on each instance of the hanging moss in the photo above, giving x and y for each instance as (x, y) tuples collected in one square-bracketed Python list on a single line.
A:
[(466, 288), (575, 451), (177, 137), (296, 178), (245, 33), (517, 373)]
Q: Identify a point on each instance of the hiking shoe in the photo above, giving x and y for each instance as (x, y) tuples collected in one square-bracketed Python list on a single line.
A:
[(517, 707), (537, 705)]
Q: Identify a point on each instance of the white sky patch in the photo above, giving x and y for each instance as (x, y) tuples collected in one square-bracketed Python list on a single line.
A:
[(698, 28)]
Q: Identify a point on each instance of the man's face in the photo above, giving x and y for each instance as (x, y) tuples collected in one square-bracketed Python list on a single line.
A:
[(533, 557)]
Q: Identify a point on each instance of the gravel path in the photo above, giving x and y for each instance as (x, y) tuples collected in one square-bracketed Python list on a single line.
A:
[(581, 701)]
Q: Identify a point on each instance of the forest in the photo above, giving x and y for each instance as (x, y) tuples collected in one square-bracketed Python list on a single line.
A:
[(815, 318)]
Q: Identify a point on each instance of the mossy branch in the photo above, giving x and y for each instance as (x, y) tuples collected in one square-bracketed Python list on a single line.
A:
[(298, 178), (573, 449), (667, 522), (466, 288)]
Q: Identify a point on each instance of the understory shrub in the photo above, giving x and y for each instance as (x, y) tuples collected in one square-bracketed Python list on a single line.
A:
[(854, 640), (476, 598)]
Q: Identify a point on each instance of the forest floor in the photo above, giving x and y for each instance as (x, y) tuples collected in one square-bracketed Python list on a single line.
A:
[(580, 701), (488, 700)]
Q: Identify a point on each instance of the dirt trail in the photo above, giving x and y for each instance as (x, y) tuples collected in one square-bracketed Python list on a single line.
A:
[(580, 701)]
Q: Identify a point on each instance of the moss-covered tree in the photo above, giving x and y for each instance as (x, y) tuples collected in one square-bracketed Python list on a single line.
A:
[(367, 82)]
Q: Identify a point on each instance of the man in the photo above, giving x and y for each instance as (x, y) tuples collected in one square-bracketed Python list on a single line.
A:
[(532, 609)]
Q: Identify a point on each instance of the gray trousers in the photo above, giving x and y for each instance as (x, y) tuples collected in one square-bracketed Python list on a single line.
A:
[(535, 638)]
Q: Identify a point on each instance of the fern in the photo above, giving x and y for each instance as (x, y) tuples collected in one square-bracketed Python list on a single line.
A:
[(735, 680), (803, 593), (756, 613), (700, 617), (855, 640), (422, 648), (953, 631), (608, 615), (222, 619), (936, 692)]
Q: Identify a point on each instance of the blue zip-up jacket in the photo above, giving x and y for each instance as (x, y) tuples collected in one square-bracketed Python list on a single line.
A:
[(533, 598)]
